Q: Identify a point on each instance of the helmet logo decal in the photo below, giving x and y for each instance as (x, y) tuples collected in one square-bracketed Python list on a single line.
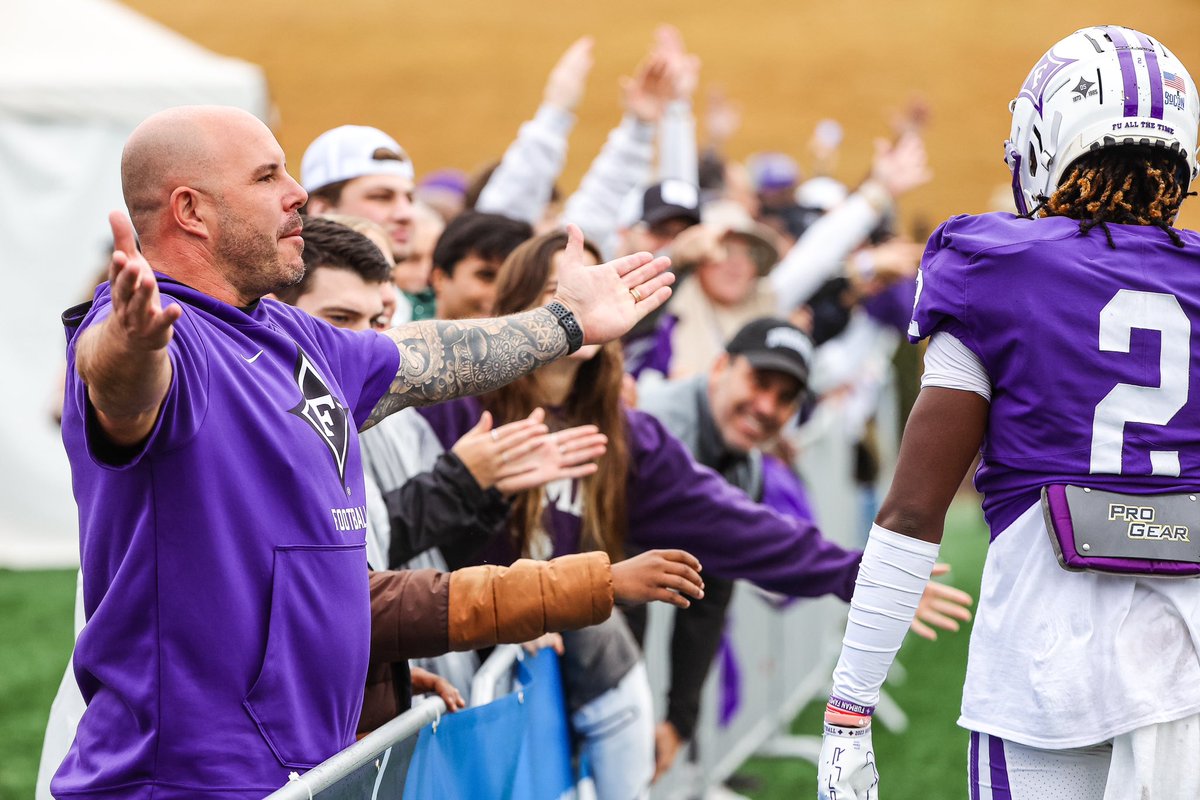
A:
[(1085, 88), (1174, 90), (1035, 84)]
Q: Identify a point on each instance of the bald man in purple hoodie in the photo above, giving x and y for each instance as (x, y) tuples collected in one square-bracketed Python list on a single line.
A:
[(215, 462)]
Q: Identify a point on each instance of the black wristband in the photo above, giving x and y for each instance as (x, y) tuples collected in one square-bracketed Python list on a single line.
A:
[(566, 318)]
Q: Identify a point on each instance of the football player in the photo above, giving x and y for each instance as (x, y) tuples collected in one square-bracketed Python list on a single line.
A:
[(1062, 347)]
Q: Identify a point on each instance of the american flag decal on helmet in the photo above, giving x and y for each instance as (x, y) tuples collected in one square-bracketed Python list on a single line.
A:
[(1173, 81)]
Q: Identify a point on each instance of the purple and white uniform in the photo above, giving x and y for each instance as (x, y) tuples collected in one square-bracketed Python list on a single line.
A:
[(1093, 371), (226, 576)]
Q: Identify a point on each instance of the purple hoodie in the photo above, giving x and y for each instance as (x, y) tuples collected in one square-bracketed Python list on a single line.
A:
[(225, 573)]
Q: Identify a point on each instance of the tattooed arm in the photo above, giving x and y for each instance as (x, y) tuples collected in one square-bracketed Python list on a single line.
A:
[(440, 360)]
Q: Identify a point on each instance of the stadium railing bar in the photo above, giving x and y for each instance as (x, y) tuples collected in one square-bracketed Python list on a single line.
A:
[(374, 766), (495, 676)]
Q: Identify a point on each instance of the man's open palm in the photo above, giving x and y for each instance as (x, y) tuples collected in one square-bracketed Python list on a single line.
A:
[(608, 299)]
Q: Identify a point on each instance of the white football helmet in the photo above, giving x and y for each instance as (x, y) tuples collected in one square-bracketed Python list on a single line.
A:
[(1099, 87)]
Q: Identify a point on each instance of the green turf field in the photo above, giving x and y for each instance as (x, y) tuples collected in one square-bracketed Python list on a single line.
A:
[(928, 762), (36, 613)]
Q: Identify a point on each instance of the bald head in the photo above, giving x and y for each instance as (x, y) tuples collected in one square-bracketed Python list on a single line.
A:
[(210, 196), (181, 146)]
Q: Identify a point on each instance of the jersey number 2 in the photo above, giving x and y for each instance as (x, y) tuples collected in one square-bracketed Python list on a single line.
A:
[(1152, 405)]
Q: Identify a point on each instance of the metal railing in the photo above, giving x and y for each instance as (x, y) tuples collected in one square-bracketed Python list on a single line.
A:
[(495, 676), (377, 760)]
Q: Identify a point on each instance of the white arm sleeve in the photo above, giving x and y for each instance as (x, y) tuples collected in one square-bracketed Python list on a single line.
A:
[(820, 252), (520, 187), (950, 364), (891, 580), (677, 144), (623, 165)]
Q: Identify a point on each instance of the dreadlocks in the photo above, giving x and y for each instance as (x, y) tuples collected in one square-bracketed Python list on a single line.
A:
[(1125, 185)]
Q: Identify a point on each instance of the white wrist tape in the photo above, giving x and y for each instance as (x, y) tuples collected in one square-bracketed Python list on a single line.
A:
[(891, 579)]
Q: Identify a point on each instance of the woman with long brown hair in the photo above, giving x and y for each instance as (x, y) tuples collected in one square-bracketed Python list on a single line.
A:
[(647, 492)]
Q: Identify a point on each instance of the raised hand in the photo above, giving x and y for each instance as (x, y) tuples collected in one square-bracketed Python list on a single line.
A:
[(941, 606), (137, 315), (666, 575), (608, 299), (123, 360), (568, 79), (722, 118), (653, 86), (901, 166), (684, 66)]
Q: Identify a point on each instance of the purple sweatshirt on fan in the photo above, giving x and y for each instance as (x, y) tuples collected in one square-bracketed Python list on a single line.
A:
[(1091, 352), (675, 503), (225, 576)]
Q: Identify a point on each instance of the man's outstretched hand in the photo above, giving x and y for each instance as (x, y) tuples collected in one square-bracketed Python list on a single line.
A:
[(123, 360), (137, 316), (608, 299)]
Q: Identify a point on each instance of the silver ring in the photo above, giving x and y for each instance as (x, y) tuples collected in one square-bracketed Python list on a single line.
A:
[(637, 296)]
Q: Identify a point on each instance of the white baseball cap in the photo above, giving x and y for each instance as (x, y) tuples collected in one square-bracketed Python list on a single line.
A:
[(352, 151)]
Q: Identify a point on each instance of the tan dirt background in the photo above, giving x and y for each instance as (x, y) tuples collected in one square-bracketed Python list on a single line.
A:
[(453, 80)]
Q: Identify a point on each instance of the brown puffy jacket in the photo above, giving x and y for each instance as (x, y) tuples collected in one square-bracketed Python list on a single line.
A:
[(419, 613)]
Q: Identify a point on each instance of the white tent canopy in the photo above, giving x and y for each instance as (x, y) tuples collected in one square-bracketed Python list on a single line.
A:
[(76, 76)]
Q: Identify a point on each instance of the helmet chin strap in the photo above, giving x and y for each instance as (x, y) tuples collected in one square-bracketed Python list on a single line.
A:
[(1013, 159)]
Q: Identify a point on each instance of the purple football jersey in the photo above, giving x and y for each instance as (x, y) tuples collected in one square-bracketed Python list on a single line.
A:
[(1091, 352), (225, 576)]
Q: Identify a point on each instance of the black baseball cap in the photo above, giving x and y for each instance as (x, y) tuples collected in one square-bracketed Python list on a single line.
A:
[(774, 344), (671, 199)]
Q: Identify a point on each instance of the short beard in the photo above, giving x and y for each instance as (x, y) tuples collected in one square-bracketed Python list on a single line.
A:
[(252, 259)]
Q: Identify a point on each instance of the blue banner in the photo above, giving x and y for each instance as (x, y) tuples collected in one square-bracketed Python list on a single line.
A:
[(515, 747)]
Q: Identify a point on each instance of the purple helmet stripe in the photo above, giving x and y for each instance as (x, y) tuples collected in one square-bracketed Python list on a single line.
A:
[(973, 765), (1128, 72), (1156, 79), (999, 769)]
